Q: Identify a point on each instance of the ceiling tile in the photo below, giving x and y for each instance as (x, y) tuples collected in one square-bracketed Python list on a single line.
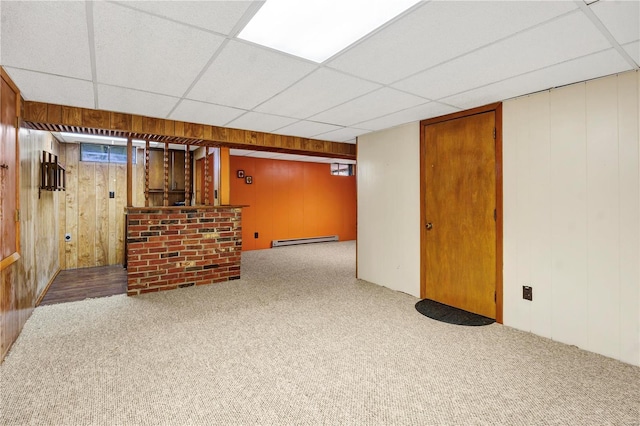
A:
[(581, 69), (622, 18), (420, 112), (134, 101), (633, 49), (317, 92), (140, 51), (200, 112), (438, 31), (261, 122), (42, 36), (219, 16), (563, 39), (379, 103), (306, 129), (246, 75), (342, 135), (35, 86)]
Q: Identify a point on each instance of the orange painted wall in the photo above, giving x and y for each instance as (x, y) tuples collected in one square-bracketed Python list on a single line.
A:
[(291, 199)]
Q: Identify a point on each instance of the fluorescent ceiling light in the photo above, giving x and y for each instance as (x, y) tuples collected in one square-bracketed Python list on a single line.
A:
[(81, 137), (318, 29), (96, 137)]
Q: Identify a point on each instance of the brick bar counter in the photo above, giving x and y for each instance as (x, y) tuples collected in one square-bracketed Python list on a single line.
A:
[(172, 247)]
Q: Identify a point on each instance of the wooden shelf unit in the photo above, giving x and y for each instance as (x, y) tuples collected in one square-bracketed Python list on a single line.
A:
[(53, 176)]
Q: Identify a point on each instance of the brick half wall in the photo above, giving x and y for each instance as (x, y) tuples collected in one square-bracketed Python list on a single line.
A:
[(174, 247)]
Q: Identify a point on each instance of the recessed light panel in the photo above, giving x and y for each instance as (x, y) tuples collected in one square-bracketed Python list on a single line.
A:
[(318, 29)]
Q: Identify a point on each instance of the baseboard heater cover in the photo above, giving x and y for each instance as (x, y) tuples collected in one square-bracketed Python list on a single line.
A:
[(293, 241)]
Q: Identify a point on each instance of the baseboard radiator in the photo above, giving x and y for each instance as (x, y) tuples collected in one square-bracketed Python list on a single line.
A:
[(293, 241)]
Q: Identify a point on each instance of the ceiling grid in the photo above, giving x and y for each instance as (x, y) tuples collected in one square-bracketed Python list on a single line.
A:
[(184, 61)]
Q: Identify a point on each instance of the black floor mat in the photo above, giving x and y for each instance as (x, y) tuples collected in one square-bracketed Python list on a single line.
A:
[(451, 315)]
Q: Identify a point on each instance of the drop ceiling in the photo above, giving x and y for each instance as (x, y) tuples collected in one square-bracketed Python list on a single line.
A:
[(184, 61)]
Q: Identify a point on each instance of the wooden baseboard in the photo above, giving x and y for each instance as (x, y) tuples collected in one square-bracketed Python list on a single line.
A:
[(44, 292)]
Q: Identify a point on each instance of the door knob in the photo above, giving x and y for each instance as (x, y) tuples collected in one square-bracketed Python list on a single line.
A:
[(429, 226)]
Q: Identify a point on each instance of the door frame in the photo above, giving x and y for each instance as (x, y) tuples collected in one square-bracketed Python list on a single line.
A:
[(497, 108)]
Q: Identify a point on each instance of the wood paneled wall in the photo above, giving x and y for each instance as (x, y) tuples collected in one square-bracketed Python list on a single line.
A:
[(95, 221), (292, 199), (24, 281), (572, 209), (389, 208)]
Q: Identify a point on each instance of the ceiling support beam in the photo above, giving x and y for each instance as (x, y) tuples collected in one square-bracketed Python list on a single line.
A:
[(60, 118)]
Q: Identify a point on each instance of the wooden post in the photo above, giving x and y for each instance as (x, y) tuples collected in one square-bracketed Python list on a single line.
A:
[(129, 171), (225, 170), (146, 173), (187, 176), (206, 175), (165, 192)]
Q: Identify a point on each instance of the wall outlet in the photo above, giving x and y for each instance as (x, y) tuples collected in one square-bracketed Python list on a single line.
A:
[(255, 235), (112, 194), (527, 292), (67, 237)]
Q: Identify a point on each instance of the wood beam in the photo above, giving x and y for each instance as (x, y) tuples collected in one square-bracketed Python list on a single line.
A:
[(52, 117)]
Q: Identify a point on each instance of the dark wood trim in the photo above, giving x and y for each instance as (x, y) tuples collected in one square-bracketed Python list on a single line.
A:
[(60, 118), (497, 108), (46, 289)]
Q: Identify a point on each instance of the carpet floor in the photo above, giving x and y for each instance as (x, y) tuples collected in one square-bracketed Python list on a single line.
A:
[(297, 340)]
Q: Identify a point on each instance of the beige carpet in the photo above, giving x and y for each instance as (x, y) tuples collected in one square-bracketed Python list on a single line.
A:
[(297, 341)]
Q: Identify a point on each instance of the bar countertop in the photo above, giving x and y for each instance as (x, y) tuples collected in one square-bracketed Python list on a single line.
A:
[(188, 208)]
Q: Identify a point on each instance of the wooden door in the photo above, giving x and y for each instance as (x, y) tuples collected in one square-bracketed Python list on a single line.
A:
[(460, 203), (9, 236)]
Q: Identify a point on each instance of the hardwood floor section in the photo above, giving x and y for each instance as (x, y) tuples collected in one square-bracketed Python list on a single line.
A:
[(79, 284)]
